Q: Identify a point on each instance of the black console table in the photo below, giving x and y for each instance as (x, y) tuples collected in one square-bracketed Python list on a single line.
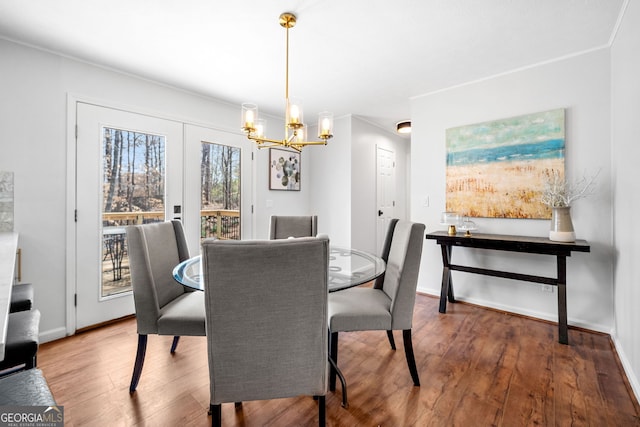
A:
[(526, 244)]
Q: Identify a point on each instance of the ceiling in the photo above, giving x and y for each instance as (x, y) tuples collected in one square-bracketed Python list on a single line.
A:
[(362, 57)]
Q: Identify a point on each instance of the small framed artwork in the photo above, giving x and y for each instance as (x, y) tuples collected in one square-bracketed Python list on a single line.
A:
[(284, 170)]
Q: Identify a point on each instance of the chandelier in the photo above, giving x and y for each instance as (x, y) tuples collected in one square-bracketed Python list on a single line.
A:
[(295, 130)]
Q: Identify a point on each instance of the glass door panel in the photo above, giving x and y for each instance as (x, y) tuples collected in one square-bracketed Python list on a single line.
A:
[(133, 192), (220, 186), (218, 164)]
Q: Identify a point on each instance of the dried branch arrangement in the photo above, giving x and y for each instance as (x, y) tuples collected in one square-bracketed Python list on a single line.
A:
[(559, 192)]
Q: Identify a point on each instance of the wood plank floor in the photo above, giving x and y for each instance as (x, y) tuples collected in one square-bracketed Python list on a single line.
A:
[(478, 367)]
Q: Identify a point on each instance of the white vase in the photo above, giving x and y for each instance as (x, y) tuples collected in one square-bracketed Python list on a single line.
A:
[(561, 225)]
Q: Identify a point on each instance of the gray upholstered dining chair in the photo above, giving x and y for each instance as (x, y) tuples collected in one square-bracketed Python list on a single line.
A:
[(163, 306), (266, 307), (388, 305), (283, 227)]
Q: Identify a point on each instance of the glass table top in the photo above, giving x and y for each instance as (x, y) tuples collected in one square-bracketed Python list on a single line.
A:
[(347, 268)]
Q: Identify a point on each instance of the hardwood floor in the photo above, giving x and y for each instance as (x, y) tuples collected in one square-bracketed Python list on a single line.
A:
[(478, 367)]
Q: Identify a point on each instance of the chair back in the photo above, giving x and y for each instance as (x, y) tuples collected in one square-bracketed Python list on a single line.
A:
[(154, 250), (283, 227), (401, 275), (266, 318), (386, 247)]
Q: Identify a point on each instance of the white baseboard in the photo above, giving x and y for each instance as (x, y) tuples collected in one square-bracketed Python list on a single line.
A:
[(551, 317), (626, 365), (52, 335)]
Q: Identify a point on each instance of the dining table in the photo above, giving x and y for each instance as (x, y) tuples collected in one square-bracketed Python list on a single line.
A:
[(348, 267)]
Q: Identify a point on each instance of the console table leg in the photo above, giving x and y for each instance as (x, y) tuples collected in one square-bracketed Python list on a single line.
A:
[(563, 332), (452, 298), (446, 289)]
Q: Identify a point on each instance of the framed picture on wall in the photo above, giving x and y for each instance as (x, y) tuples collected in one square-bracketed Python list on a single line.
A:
[(284, 170), (497, 169)]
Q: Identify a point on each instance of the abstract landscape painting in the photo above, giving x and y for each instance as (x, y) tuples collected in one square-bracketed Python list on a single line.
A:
[(496, 169)]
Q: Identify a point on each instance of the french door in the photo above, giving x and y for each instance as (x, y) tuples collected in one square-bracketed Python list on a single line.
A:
[(129, 170), (133, 168)]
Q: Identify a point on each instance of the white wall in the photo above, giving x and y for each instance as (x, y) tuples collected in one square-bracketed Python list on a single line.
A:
[(366, 139), (32, 141), (625, 78), (580, 85), (33, 144), (330, 182)]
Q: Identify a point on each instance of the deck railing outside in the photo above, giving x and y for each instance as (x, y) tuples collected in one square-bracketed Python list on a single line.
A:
[(120, 219), (221, 223)]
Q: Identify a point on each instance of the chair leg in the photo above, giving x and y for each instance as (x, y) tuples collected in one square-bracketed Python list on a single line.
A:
[(174, 344), (411, 360), (31, 363), (343, 382), (333, 355), (137, 367), (391, 340), (216, 415), (334, 370), (322, 412)]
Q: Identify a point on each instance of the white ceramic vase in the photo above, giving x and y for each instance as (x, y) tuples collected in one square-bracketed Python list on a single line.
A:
[(561, 225)]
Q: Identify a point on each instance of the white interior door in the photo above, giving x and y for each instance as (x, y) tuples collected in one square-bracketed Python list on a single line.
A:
[(129, 169), (386, 192)]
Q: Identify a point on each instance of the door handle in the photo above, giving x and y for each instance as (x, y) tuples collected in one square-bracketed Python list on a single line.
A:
[(380, 213)]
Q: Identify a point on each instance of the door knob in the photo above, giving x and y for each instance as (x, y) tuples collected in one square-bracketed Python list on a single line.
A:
[(380, 212)]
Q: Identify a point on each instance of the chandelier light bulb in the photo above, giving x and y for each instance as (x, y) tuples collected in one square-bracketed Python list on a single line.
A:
[(294, 113), (325, 125), (261, 128), (249, 116), (302, 133)]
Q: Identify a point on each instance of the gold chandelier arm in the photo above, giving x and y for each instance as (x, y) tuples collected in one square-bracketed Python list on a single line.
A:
[(261, 140), (305, 143), (274, 143), (267, 143), (299, 150)]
